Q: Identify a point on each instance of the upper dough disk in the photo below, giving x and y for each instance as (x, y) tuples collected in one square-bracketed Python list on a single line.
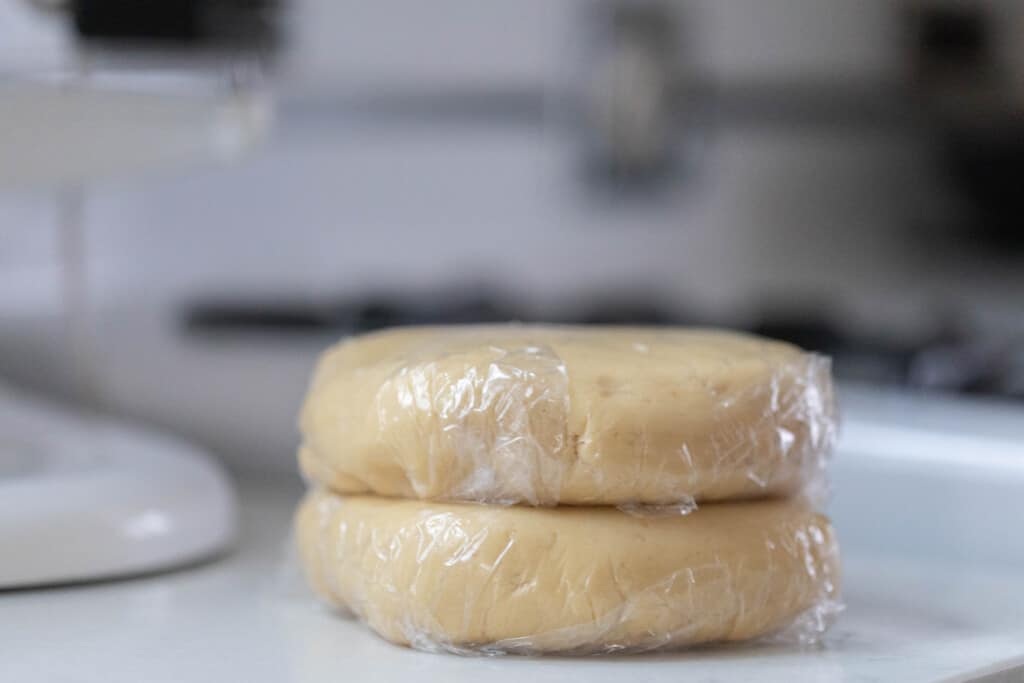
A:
[(567, 415), (460, 577)]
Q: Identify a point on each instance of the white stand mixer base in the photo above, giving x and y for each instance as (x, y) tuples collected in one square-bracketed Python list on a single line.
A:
[(83, 500)]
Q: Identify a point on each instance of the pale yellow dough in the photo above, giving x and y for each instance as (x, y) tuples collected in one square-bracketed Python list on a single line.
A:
[(567, 415), (455, 576)]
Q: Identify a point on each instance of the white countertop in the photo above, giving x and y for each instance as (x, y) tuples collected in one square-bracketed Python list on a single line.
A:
[(933, 579), (246, 617)]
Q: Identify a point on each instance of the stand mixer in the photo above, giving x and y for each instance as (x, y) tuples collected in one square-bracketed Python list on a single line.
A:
[(84, 496)]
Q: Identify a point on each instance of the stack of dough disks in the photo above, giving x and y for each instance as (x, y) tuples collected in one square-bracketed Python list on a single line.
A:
[(562, 489)]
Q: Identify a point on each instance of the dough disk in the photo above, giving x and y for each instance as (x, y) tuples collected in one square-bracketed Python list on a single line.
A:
[(465, 577), (567, 415)]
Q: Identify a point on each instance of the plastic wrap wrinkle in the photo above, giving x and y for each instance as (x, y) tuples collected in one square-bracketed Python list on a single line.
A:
[(492, 415), (683, 507), (507, 457)]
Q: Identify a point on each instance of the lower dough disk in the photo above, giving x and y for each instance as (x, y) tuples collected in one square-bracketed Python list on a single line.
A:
[(454, 576)]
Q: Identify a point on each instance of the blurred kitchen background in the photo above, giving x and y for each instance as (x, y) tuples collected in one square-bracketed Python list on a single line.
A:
[(196, 200)]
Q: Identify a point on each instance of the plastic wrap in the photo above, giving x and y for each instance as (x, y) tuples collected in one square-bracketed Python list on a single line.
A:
[(489, 580), (649, 419)]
